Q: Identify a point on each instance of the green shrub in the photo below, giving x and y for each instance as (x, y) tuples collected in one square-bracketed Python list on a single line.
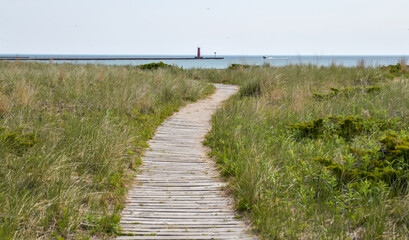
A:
[(235, 66), (395, 148), (17, 141), (152, 66), (345, 92), (362, 172), (346, 127), (313, 129), (397, 70), (350, 126), (389, 164), (394, 69)]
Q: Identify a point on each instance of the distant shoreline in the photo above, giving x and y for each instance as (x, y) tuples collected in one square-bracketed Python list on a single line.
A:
[(104, 58), (207, 61)]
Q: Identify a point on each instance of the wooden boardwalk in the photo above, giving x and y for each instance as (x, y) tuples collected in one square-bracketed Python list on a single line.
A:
[(177, 194)]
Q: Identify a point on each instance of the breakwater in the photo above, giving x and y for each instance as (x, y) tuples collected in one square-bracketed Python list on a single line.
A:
[(103, 58)]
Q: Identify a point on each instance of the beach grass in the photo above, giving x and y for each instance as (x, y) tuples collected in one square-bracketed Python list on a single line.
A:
[(309, 152), (316, 152), (71, 138)]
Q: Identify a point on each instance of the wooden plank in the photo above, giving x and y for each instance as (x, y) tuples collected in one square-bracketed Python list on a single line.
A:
[(230, 230), (176, 206), (180, 185), (178, 228), (131, 215), (173, 198), (237, 235), (162, 195), (187, 200), (189, 234), (188, 190), (204, 221), (187, 227), (191, 210), (185, 214), (179, 190), (180, 202), (181, 180), (204, 224), (177, 237)]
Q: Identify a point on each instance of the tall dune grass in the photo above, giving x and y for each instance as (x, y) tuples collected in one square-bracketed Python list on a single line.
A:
[(71, 137), (273, 170)]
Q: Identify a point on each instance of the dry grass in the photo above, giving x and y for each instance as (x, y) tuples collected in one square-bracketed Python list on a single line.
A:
[(23, 93), (403, 64), (299, 97), (4, 104), (71, 137), (361, 63)]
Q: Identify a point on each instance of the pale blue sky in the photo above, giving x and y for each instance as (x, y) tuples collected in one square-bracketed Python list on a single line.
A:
[(235, 27)]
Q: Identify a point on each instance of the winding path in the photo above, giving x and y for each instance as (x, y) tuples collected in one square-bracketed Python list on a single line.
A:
[(177, 194)]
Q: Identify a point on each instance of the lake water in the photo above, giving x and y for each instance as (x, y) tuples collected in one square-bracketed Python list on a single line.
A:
[(348, 61)]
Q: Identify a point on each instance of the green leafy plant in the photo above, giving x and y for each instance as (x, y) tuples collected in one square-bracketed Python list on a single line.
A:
[(17, 141), (397, 70), (345, 92), (151, 66), (312, 129), (235, 66)]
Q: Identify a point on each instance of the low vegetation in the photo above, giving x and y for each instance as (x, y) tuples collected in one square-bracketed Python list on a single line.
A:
[(345, 92), (151, 66), (71, 138), (398, 70), (309, 152), (316, 152)]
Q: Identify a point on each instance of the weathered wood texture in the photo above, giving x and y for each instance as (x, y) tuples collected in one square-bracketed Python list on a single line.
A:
[(177, 194)]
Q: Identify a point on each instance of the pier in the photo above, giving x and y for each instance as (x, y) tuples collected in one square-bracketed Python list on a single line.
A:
[(44, 58), (103, 58)]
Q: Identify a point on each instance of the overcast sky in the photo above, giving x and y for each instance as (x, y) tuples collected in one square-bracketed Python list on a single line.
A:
[(229, 27)]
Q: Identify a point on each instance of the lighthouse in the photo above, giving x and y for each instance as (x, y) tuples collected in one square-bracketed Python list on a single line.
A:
[(198, 53)]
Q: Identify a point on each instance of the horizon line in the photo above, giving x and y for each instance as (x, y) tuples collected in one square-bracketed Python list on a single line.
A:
[(111, 54)]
